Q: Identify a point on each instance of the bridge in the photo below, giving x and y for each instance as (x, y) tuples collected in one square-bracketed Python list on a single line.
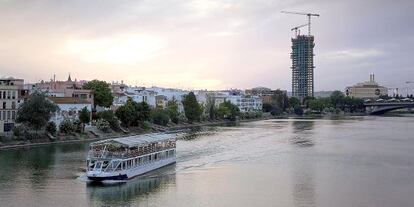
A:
[(378, 108)]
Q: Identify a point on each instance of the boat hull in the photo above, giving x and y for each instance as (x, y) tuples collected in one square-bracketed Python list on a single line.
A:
[(129, 173)]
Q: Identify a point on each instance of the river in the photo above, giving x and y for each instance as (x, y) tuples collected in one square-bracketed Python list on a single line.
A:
[(353, 161)]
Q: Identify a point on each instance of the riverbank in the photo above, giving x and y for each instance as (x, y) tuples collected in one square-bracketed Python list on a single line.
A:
[(96, 136)]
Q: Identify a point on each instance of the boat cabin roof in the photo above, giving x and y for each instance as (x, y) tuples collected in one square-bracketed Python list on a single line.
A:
[(137, 140)]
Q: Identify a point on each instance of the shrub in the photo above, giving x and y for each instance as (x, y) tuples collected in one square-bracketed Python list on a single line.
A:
[(110, 117), (160, 117), (67, 127), (19, 131), (103, 125), (51, 128), (276, 111)]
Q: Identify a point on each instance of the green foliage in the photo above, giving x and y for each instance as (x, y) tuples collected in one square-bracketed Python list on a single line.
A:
[(293, 102), (267, 107), (227, 110), (172, 109), (280, 100), (110, 117), (316, 105), (298, 110), (67, 127), (36, 111), (276, 111), (160, 117), (192, 109), (102, 93), (133, 113), (103, 125), (306, 100), (51, 128), (337, 99), (84, 116), (211, 107)]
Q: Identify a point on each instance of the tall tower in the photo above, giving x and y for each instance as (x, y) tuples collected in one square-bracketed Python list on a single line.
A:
[(302, 59), (302, 66)]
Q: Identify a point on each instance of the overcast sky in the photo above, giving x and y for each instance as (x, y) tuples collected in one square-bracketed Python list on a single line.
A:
[(197, 44)]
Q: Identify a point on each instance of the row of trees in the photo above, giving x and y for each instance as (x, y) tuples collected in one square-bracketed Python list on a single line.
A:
[(37, 110), (336, 102)]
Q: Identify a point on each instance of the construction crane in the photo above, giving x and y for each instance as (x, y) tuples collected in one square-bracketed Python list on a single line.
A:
[(307, 14), (296, 29)]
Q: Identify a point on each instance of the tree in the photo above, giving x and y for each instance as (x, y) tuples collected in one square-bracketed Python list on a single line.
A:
[(211, 107), (102, 93), (337, 99), (267, 107), (293, 102), (316, 105), (51, 127), (84, 117), (192, 109), (143, 112), (276, 111), (227, 110), (172, 108), (110, 117), (298, 110), (36, 111), (160, 117), (133, 113), (280, 100), (306, 100), (127, 113)]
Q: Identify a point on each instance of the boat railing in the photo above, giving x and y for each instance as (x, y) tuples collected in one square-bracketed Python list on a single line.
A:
[(105, 154)]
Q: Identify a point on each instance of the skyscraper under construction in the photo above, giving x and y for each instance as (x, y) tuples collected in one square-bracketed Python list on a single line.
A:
[(302, 66), (302, 59)]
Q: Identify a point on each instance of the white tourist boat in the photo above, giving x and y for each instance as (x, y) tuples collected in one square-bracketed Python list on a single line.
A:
[(127, 157)]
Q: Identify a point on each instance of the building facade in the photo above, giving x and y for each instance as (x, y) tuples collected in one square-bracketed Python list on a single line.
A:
[(366, 90), (11, 96), (302, 66)]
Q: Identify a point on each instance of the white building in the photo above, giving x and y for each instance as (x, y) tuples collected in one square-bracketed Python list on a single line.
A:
[(11, 96), (246, 103), (366, 90), (69, 108)]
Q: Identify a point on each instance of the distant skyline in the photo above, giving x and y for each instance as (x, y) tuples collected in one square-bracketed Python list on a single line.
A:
[(202, 44)]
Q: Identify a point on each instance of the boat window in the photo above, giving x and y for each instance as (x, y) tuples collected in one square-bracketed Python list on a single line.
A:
[(119, 167), (98, 166)]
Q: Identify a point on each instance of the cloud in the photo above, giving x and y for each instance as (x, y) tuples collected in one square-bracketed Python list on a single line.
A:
[(118, 49), (351, 54)]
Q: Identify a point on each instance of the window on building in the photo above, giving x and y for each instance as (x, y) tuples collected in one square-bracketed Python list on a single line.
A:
[(13, 94), (8, 115), (13, 105), (4, 94), (1, 117), (4, 105), (8, 94), (13, 115)]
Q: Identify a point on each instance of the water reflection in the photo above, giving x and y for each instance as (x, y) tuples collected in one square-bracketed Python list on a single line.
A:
[(201, 131), (302, 133), (303, 182), (126, 193), (303, 168)]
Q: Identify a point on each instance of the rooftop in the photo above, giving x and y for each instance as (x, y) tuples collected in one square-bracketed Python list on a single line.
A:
[(138, 140), (69, 100)]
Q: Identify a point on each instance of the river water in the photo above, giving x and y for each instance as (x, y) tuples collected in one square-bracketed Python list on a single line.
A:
[(354, 161)]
